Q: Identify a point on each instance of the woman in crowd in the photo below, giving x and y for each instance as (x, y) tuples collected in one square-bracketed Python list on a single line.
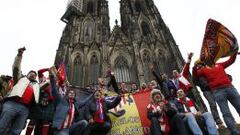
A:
[(164, 117)]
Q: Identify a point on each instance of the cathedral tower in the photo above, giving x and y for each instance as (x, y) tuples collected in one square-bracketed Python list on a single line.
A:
[(84, 40), (88, 47)]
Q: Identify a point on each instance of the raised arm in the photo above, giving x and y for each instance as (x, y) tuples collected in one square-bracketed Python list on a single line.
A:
[(187, 65), (114, 103), (41, 71), (113, 81), (17, 65), (229, 62), (54, 87), (151, 114), (159, 81)]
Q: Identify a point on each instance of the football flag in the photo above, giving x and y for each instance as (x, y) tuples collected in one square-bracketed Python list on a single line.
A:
[(61, 73), (134, 121), (218, 42)]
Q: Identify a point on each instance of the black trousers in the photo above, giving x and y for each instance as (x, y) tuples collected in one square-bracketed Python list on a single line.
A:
[(177, 126), (100, 129), (155, 127)]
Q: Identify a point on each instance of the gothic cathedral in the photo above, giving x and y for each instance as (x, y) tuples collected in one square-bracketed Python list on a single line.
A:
[(88, 46)]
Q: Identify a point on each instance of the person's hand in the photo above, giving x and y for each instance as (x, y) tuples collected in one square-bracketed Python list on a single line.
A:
[(52, 70), (21, 50), (190, 55), (108, 72), (151, 66), (91, 121), (198, 113)]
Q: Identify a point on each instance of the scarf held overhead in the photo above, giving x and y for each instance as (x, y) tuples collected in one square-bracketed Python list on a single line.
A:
[(218, 42)]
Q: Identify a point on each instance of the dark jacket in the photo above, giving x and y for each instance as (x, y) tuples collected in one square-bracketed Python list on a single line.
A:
[(62, 107), (180, 106), (45, 113), (91, 108), (201, 82), (163, 85)]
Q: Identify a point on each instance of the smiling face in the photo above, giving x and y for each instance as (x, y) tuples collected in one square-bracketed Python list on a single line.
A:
[(153, 83), (157, 98), (101, 81), (98, 94), (31, 75), (175, 73), (71, 94), (134, 86), (164, 76), (180, 93)]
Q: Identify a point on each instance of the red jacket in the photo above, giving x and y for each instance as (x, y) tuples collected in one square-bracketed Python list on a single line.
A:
[(216, 76)]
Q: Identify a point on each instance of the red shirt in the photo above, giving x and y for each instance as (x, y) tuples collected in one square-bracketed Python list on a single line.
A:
[(27, 96), (216, 76)]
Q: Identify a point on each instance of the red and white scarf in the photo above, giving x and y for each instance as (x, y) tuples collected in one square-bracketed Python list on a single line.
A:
[(69, 119), (190, 104), (163, 119), (99, 116)]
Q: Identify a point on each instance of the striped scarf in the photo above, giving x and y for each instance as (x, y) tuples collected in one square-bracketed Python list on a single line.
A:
[(188, 105), (163, 119), (99, 116), (69, 119)]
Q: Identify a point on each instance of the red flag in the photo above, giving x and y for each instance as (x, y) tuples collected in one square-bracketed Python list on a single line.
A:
[(218, 42), (61, 74)]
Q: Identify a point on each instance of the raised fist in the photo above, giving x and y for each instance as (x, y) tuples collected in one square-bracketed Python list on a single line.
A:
[(151, 66), (52, 70), (21, 50), (190, 55), (108, 72)]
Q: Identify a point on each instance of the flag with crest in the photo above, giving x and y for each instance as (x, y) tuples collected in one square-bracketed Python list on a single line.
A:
[(218, 42)]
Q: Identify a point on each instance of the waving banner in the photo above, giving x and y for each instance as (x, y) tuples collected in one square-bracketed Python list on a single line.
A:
[(134, 121), (218, 42)]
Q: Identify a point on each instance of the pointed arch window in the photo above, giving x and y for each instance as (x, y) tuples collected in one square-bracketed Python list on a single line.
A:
[(77, 71), (145, 29), (161, 62), (94, 69), (88, 31), (90, 7), (146, 62), (121, 70)]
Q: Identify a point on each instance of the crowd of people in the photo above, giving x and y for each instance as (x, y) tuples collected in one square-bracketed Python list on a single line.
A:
[(52, 109)]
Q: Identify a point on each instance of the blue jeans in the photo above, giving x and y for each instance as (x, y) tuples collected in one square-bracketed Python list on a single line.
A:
[(213, 106), (192, 123), (222, 96), (210, 123), (78, 128), (64, 131), (15, 115)]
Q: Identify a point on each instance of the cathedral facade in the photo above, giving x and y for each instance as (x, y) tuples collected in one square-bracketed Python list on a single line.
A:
[(88, 47)]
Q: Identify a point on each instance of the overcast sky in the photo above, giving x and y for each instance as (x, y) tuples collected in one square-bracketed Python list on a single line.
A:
[(36, 25)]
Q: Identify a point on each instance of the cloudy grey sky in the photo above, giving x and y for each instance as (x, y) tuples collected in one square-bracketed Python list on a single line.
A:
[(36, 24)]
